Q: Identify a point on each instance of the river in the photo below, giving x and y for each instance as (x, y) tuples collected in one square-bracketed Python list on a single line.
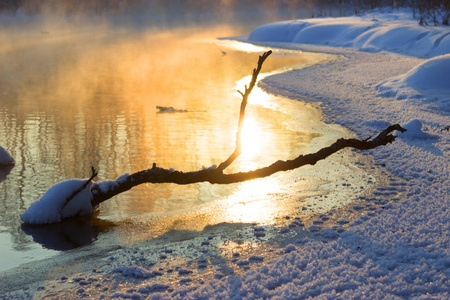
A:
[(72, 98)]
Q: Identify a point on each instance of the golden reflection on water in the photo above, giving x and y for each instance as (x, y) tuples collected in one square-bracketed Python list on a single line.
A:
[(72, 100), (252, 139), (247, 204)]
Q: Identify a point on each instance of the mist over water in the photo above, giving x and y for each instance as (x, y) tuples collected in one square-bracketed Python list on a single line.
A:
[(79, 94)]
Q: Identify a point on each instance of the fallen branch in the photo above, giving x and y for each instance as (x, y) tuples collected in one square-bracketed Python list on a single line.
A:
[(103, 191), (106, 190), (216, 176)]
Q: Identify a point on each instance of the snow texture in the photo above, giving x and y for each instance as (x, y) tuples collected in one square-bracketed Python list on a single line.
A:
[(374, 32), (428, 80), (5, 157), (401, 249), (49, 208)]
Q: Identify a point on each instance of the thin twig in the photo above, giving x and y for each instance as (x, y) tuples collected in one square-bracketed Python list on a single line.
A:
[(94, 174), (238, 150)]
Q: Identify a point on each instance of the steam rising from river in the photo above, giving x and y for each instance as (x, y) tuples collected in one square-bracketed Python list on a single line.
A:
[(80, 94)]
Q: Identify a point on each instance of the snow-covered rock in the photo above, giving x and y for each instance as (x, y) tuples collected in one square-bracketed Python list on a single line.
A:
[(5, 157), (414, 131), (49, 209)]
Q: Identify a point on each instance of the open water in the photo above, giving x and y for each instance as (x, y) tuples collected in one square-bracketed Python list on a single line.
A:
[(72, 98)]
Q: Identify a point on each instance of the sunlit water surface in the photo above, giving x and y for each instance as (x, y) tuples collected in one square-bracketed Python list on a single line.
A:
[(80, 99)]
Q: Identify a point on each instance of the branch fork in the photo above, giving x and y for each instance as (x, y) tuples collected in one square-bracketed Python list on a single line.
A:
[(215, 175)]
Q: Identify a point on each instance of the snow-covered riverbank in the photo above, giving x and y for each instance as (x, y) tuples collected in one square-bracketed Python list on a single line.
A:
[(399, 245)]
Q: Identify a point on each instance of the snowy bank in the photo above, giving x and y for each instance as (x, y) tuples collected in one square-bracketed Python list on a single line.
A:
[(398, 246), (377, 31), (429, 80)]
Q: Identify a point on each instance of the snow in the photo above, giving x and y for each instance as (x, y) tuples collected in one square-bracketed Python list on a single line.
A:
[(428, 80), (373, 32), (108, 185), (414, 131), (5, 157), (394, 71), (49, 209)]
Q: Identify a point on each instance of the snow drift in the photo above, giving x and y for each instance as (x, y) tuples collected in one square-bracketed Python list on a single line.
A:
[(379, 31), (429, 80), (396, 33)]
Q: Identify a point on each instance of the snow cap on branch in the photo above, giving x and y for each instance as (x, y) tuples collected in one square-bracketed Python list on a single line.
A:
[(50, 208)]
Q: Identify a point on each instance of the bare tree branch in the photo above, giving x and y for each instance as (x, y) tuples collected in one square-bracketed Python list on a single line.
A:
[(248, 90), (105, 190), (161, 175), (76, 192)]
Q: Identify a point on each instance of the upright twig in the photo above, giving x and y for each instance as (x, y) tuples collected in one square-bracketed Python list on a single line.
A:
[(238, 150), (94, 174)]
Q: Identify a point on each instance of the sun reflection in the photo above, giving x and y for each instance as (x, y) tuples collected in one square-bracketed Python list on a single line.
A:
[(258, 96), (253, 202), (252, 139)]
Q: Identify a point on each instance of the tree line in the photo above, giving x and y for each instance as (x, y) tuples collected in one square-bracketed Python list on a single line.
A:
[(428, 12)]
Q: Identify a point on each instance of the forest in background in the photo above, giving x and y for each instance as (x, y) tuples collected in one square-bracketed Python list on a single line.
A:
[(428, 12)]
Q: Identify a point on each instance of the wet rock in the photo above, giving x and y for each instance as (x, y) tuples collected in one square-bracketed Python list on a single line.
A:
[(255, 259), (183, 272), (289, 249), (185, 281), (242, 263), (284, 230), (298, 223), (342, 222), (314, 228)]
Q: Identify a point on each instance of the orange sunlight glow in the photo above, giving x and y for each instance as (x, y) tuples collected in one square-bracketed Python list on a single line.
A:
[(252, 139), (253, 202)]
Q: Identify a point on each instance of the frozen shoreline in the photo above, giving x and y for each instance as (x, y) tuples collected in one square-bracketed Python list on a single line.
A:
[(98, 255), (398, 250)]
